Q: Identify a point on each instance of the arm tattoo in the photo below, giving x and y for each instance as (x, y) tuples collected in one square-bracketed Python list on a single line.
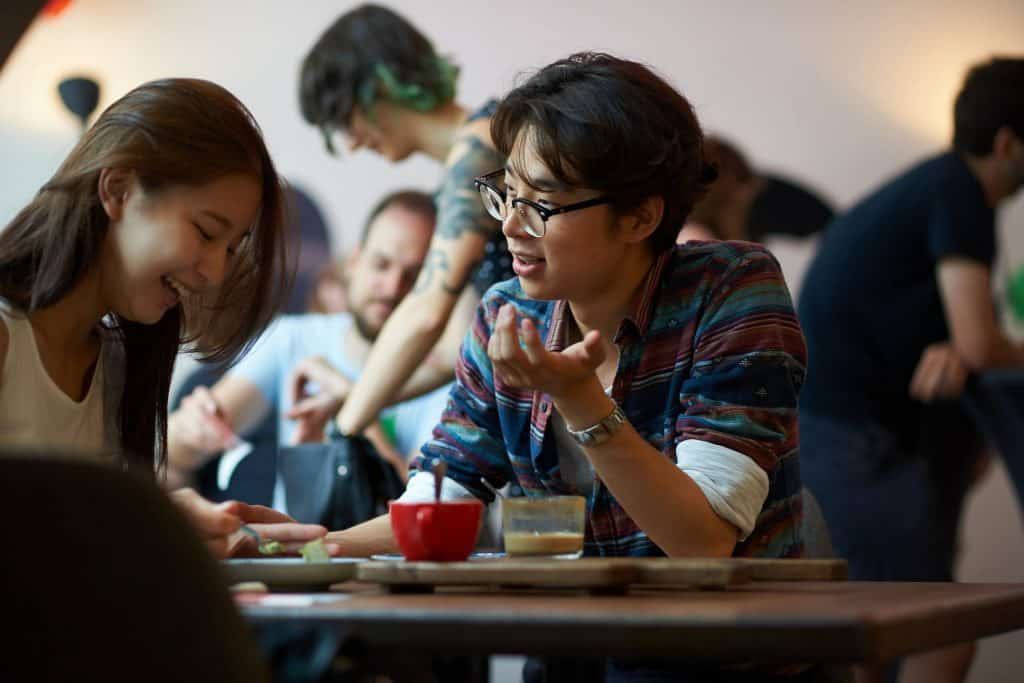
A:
[(436, 264), (459, 207)]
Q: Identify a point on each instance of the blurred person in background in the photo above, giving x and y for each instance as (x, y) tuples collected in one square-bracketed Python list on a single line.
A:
[(377, 80), (301, 369), (328, 294), (897, 308), (747, 204)]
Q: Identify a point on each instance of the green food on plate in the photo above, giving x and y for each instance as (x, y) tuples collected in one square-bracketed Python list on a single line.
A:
[(271, 548), (315, 551)]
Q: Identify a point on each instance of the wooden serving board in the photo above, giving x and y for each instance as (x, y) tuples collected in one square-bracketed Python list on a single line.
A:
[(697, 572), (664, 571), (593, 574)]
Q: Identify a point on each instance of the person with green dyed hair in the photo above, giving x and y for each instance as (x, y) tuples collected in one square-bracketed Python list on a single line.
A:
[(376, 80)]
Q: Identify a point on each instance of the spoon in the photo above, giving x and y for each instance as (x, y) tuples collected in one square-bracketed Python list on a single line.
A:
[(495, 492), (246, 529), (265, 547), (439, 468)]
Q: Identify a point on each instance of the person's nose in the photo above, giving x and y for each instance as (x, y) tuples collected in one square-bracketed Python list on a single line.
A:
[(513, 225)]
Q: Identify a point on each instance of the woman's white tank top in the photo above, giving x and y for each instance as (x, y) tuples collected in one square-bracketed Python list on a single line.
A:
[(34, 412)]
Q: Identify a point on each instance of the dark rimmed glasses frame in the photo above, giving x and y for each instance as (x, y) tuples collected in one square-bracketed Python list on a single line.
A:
[(495, 200)]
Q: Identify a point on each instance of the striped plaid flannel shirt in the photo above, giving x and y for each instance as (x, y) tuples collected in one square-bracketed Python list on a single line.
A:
[(711, 350)]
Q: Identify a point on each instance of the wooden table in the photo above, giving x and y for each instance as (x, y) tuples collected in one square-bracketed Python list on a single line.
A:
[(830, 622)]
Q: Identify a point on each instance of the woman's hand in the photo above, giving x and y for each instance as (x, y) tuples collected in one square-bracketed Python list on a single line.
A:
[(940, 374), (312, 411), (272, 525), (520, 359), (219, 525)]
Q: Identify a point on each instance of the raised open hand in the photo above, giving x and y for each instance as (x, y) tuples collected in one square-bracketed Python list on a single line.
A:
[(520, 359)]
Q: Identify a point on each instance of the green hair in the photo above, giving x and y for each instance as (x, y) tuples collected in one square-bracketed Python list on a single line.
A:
[(409, 95)]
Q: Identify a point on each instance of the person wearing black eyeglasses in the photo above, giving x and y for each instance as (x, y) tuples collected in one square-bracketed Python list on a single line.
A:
[(658, 381)]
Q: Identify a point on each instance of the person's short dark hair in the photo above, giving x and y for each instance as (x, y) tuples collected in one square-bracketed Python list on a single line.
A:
[(728, 158), (991, 97), (368, 53), (411, 200), (733, 169), (614, 126)]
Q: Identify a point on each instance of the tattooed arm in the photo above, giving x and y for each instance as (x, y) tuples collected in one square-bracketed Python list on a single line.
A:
[(425, 317)]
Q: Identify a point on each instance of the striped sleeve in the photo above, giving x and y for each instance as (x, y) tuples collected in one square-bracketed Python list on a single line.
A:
[(469, 436), (749, 360)]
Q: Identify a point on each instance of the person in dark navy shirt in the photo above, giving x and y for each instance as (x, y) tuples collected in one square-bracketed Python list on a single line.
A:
[(897, 310)]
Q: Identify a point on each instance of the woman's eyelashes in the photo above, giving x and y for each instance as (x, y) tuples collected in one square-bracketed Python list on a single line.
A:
[(207, 237)]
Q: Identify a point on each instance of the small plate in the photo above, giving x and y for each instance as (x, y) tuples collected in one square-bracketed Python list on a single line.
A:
[(291, 573), (396, 557)]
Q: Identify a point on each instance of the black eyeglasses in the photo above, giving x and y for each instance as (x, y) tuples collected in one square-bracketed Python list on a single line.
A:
[(534, 216)]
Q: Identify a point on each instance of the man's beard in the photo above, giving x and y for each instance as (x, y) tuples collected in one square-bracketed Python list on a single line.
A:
[(363, 326), (366, 331)]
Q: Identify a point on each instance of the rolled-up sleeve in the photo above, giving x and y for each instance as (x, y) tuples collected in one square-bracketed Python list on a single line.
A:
[(749, 360)]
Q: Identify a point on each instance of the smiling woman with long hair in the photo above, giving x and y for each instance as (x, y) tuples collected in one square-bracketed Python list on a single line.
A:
[(161, 230), (161, 227)]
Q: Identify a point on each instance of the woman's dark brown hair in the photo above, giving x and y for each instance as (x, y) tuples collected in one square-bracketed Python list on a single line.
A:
[(613, 126), (174, 132)]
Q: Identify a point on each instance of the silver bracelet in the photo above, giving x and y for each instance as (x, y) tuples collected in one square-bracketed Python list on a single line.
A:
[(597, 434)]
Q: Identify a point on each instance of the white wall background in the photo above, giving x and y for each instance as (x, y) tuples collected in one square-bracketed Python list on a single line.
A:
[(840, 94)]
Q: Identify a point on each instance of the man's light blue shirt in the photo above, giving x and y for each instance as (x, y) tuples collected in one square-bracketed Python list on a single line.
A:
[(293, 338)]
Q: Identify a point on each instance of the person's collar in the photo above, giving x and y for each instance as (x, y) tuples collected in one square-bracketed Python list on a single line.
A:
[(641, 307), (638, 316), (560, 325)]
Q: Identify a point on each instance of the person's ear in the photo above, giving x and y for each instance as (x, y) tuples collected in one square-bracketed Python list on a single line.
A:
[(113, 187), (1004, 142), (643, 220)]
